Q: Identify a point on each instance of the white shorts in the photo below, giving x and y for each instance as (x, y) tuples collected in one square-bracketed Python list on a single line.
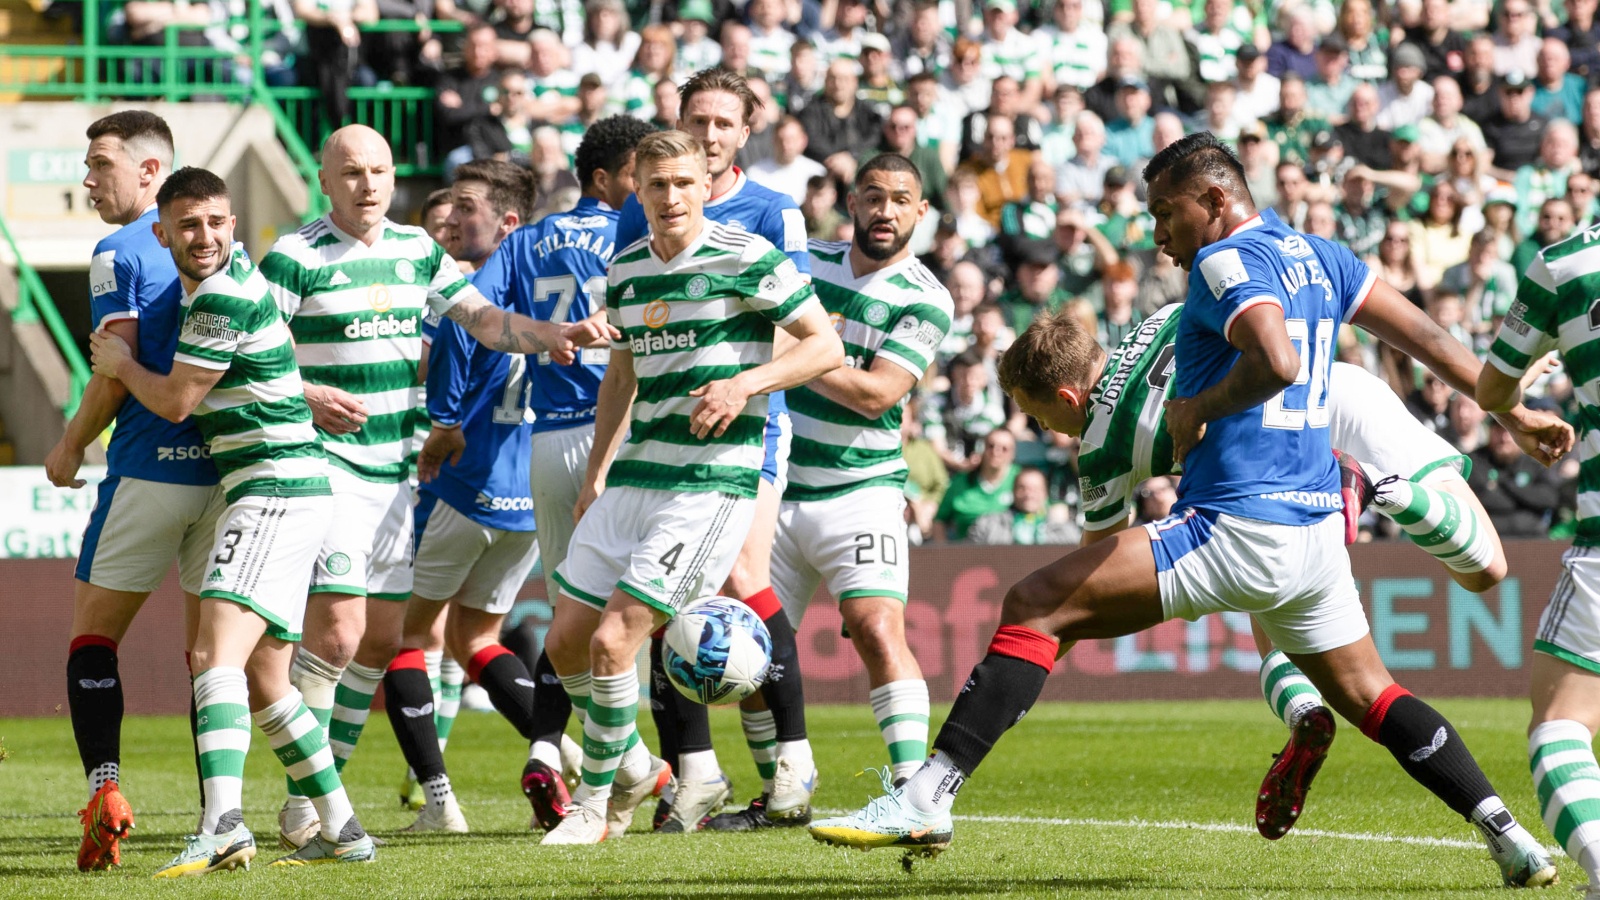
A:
[(368, 548), (555, 472), (480, 567), (1295, 580), (1569, 630), (1368, 421), (139, 527), (264, 552), (856, 544), (665, 549)]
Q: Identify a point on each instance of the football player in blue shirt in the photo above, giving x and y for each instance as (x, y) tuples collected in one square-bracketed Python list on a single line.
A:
[(716, 107), (555, 270), (1258, 527), (160, 499), (474, 519)]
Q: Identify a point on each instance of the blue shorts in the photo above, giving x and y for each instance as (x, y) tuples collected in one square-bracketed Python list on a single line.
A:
[(775, 466)]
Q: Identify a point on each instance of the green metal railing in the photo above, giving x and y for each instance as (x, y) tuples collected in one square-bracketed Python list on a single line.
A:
[(34, 305)]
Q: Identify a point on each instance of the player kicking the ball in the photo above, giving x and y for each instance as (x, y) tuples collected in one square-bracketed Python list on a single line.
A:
[(235, 371), (1258, 528), (681, 412)]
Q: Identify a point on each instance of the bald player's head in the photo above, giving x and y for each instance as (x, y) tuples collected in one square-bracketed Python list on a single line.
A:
[(357, 176)]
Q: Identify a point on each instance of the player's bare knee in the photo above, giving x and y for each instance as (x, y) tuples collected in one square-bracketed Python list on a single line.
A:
[(568, 650), (879, 638), (1032, 604)]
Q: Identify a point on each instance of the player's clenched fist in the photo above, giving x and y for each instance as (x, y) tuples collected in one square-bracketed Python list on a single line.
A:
[(107, 352), (720, 403)]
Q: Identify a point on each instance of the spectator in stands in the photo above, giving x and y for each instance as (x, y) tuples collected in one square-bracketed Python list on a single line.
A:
[(1581, 193), (1514, 132), (967, 291), (965, 87), (1361, 217), (965, 197), (553, 172), (758, 147), (1168, 64), (1005, 99), (1519, 494), (1123, 218), (697, 49), (1214, 43), (1447, 310), (1038, 285), (1001, 169), (507, 133), (1500, 219), (983, 488), (609, 45), (1480, 94), (1156, 498), (922, 47), (1260, 159), (1295, 52), (958, 420), (823, 220), (1405, 99), (790, 169), (1293, 194), (467, 94), (878, 91), (1430, 403), (990, 337), (652, 63), (770, 39), (1119, 318), (1084, 255), (1581, 34), (1030, 520), (1516, 40), (843, 39), (1557, 92), (1124, 59), (1218, 116), (593, 103), (735, 46), (513, 28), (332, 61), (1293, 125), (1467, 421), (1396, 264), (1589, 133), (1328, 91), (1369, 60), (1442, 47), (926, 477), (900, 136), (1258, 94), (554, 84), (1082, 179), (1320, 220), (1130, 137), (1486, 284), (667, 99), (1363, 140), (1437, 134), (1555, 223), (1437, 239), (1007, 51), (1074, 48), (1546, 176), (838, 125)]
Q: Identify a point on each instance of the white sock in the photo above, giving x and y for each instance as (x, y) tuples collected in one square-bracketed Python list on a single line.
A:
[(102, 773), (578, 688), (699, 766), (901, 709), (798, 753), (932, 788), (547, 753), (438, 791)]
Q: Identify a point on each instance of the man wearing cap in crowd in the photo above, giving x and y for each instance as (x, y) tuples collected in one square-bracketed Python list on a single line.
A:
[(697, 49), (1130, 136), (1257, 91), (1405, 97), (1513, 133), (1292, 126), (1328, 94), (1327, 165), (878, 90), (1167, 63), (1260, 159), (1038, 285), (1360, 214), (1363, 140)]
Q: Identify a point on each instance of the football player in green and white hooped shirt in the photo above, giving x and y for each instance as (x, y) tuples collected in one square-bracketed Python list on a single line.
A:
[(843, 516), (1060, 376), (666, 503), (235, 371), (354, 288), (1555, 310)]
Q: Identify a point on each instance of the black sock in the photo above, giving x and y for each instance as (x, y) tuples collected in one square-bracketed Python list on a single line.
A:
[(505, 679), (94, 696), (694, 727), (998, 694), (408, 699), (1430, 750), (664, 700), (552, 708), (784, 690)]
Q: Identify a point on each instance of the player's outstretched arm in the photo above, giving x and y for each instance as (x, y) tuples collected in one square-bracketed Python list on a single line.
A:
[(97, 408), (172, 396), (613, 407), (1267, 364), (1400, 324), (869, 392), (817, 350), (511, 332)]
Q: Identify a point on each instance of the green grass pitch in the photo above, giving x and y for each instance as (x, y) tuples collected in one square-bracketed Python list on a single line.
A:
[(1137, 800)]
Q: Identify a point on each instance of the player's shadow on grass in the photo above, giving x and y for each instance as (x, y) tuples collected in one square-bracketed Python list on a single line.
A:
[(832, 887)]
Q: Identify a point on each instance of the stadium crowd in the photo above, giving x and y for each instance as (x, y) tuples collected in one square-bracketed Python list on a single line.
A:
[(1444, 142)]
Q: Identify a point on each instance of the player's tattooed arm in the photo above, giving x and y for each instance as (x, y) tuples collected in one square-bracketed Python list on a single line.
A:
[(1267, 364), (510, 332)]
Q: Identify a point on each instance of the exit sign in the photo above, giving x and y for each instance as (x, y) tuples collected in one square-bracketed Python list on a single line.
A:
[(45, 167)]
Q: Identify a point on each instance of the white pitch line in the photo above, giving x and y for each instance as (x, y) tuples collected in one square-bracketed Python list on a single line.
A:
[(1226, 828)]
